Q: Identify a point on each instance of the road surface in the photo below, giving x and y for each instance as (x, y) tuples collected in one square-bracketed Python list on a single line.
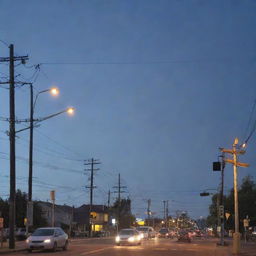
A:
[(154, 247)]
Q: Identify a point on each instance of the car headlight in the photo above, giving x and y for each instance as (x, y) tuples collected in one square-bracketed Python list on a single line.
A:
[(27, 241), (141, 236), (117, 238), (47, 241), (131, 239)]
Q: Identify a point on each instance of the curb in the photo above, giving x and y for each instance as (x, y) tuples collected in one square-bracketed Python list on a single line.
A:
[(9, 251)]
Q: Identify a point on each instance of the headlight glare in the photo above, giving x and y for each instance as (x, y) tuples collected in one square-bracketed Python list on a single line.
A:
[(131, 239), (117, 238), (47, 241)]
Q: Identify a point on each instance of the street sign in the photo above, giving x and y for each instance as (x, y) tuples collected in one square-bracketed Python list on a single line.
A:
[(221, 211), (246, 222)]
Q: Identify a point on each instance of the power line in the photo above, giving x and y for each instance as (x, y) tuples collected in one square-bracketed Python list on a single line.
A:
[(150, 61)]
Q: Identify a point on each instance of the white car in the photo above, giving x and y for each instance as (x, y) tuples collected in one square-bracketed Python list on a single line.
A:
[(128, 236), (146, 232), (47, 238)]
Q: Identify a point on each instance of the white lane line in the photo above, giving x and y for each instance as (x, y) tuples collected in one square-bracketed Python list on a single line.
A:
[(95, 251)]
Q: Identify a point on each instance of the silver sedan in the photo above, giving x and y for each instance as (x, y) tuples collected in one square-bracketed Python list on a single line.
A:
[(47, 238)]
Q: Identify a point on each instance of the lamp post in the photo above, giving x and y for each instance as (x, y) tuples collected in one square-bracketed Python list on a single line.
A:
[(54, 92)]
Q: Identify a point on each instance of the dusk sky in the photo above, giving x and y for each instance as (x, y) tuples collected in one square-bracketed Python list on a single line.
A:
[(158, 86)]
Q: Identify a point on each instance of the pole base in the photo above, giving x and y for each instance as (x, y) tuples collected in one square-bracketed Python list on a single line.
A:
[(236, 243)]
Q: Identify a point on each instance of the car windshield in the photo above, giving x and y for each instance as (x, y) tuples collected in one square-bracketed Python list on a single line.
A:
[(126, 232), (44, 232), (143, 229)]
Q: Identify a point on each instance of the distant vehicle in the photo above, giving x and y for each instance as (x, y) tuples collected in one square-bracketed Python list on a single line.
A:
[(164, 233), (146, 232), (128, 236), (21, 234), (183, 236), (47, 238)]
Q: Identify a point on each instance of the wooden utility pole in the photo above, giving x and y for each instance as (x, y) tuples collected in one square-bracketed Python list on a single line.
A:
[(91, 162), (12, 153), (236, 150), (109, 198), (11, 59), (119, 191)]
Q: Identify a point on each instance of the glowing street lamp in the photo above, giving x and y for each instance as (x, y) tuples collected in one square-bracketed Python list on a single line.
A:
[(54, 91), (70, 111)]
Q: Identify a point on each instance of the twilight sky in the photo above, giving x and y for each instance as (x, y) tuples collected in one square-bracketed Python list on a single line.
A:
[(158, 87)]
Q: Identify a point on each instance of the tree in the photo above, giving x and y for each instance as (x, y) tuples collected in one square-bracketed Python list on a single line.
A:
[(247, 205), (21, 208), (126, 217)]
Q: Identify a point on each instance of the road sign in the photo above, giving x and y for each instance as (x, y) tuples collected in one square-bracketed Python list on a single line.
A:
[(246, 222), (221, 211), (227, 214)]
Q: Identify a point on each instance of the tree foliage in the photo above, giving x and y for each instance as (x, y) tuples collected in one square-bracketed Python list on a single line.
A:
[(21, 209), (247, 205), (126, 217)]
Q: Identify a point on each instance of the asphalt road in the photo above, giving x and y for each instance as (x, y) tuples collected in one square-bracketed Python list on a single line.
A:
[(155, 247)]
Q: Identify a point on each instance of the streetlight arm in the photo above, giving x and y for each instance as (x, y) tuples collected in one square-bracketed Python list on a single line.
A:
[(50, 116), (34, 104)]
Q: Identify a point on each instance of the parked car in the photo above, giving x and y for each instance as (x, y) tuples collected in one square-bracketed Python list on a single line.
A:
[(47, 238), (146, 232), (128, 236), (164, 233)]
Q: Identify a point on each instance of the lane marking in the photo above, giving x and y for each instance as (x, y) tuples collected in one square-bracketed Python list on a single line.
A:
[(95, 251)]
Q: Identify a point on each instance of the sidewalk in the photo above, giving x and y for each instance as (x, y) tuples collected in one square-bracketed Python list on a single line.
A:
[(19, 246), (247, 249)]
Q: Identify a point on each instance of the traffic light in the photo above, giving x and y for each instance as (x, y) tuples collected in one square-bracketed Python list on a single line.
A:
[(216, 166), (204, 194)]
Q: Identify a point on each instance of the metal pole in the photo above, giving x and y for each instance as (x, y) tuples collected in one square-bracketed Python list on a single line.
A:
[(119, 198), (12, 153), (148, 211), (221, 199), (167, 213), (30, 177), (30, 168), (164, 210)]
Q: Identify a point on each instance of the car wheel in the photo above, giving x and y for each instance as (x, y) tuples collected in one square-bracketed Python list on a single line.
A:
[(65, 247), (29, 250), (54, 249)]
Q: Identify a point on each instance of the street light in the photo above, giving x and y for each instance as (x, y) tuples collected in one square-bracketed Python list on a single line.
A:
[(70, 111), (53, 91)]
